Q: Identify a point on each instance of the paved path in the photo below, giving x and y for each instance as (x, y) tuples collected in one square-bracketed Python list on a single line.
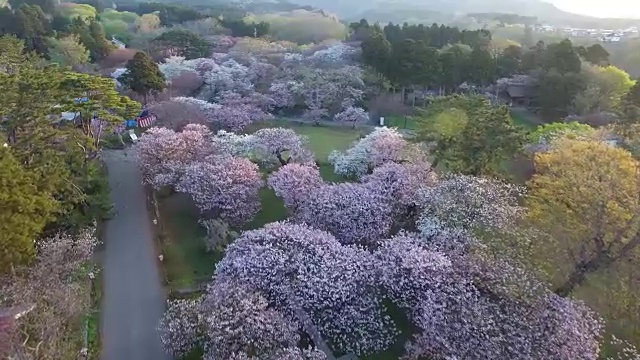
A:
[(134, 300)]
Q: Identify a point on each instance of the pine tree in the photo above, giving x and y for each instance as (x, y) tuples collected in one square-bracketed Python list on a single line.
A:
[(143, 76)]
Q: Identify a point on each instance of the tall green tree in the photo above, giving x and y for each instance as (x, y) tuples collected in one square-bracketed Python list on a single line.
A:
[(470, 136), (143, 76), (33, 26), (101, 47), (98, 104), (597, 55), (24, 213), (58, 153), (454, 62), (68, 51), (510, 61), (605, 89), (482, 67), (183, 43), (48, 6), (562, 57), (376, 51), (555, 93)]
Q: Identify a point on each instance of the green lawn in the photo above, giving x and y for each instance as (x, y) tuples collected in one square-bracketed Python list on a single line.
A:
[(322, 139), (401, 122), (519, 118), (186, 261)]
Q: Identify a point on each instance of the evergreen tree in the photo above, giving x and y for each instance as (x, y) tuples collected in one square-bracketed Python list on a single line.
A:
[(510, 61), (562, 57), (68, 51), (143, 75), (376, 51), (183, 43), (24, 212), (101, 46), (597, 55)]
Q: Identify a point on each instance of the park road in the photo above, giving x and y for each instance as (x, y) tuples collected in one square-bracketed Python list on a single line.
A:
[(133, 300)]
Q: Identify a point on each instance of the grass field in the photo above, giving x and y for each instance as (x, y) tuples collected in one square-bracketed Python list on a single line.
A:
[(520, 118), (186, 261), (322, 139)]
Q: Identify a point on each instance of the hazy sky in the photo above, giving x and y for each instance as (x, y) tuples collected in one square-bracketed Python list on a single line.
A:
[(601, 8)]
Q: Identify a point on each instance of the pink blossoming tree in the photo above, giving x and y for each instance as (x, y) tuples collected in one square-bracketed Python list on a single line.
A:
[(224, 187), (401, 184), (352, 116), (294, 183), (379, 147), (469, 203), (306, 271), (353, 213), (162, 154), (471, 309), (281, 146)]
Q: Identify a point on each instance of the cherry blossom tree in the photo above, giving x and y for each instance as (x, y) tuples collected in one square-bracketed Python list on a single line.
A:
[(302, 270), (335, 55), (238, 117), (261, 74), (285, 94), (231, 321), (176, 66), (224, 187), (352, 115), (469, 203), (227, 76), (255, 99), (180, 328), (238, 111), (184, 84), (322, 88), (294, 182), (315, 114), (286, 354), (353, 213), (181, 111), (477, 309), (229, 143), (162, 154), (239, 320), (379, 147), (281, 146), (401, 184), (55, 288)]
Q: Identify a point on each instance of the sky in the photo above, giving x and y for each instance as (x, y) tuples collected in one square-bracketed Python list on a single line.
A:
[(601, 8)]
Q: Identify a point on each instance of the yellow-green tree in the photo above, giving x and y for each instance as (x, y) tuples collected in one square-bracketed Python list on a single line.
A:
[(586, 197), (469, 136), (606, 87), (24, 212)]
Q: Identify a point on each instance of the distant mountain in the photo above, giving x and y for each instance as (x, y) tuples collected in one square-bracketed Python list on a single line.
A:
[(451, 9)]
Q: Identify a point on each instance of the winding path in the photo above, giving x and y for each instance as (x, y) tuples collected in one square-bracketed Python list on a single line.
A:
[(133, 299)]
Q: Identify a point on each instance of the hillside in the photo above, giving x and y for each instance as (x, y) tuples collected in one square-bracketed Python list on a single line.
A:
[(395, 10)]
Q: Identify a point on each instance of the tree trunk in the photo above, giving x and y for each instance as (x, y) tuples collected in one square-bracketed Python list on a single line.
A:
[(580, 272)]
